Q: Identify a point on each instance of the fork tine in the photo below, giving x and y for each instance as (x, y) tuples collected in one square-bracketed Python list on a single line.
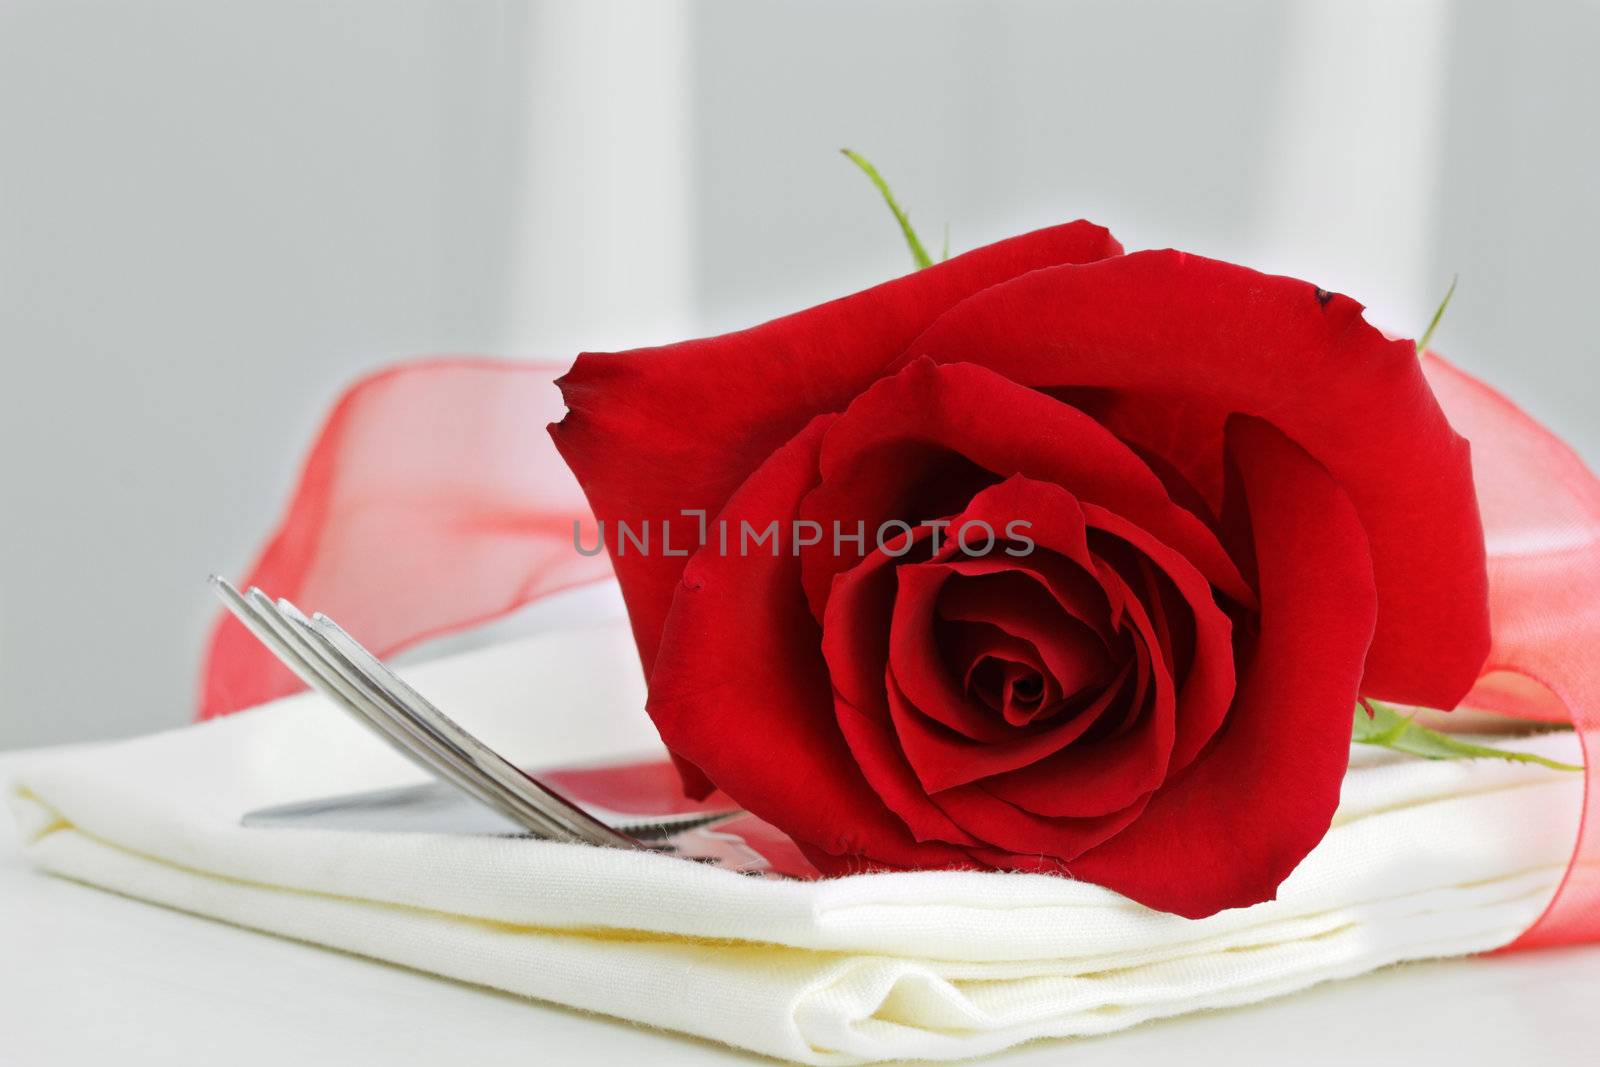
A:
[(258, 616), (422, 710), (254, 621), (351, 699), (377, 711)]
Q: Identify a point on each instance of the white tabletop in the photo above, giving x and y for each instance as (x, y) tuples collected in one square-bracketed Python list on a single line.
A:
[(87, 977)]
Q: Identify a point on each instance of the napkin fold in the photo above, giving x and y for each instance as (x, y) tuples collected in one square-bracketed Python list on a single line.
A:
[(1425, 859)]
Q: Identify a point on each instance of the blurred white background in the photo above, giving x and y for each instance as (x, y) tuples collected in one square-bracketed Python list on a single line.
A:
[(214, 214)]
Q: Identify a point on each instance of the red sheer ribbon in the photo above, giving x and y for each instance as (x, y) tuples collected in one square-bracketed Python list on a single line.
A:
[(434, 500), (1541, 520)]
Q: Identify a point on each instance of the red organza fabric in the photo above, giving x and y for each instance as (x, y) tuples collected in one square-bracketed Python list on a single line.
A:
[(1541, 519), (433, 499)]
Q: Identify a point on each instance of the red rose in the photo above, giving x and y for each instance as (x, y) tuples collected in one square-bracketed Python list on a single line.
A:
[(1223, 507)]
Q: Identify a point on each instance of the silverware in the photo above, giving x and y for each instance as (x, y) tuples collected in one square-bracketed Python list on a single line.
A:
[(478, 791), (331, 661), (436, 807)]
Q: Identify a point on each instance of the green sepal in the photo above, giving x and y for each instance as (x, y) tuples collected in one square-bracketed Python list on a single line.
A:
[(1433, 323), (1379, 724), (919, 254)]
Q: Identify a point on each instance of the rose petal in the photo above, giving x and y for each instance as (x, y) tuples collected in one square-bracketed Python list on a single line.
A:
[(855, 633), (1263, 794), (856, 630), (741, 690), (1104, 774), (892, 430), (925, 678), (1184, 341), (884, 765), (652, 432), (943, 758), (1208, 686), (1003, 672), (1018, 832), (1068, 652), (1078, 596), (1111, 773)]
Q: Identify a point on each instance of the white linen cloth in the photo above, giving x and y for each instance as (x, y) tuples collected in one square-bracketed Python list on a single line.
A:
[(1425, 859)]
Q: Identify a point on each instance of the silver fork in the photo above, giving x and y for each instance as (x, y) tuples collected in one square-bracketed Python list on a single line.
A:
[(334, 663)]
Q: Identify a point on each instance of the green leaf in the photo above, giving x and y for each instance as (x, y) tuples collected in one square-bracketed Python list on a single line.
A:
[(919, 254), (1433, 324), (1379, 724)]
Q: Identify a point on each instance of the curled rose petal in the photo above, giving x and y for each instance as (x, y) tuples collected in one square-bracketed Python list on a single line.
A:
[(1185, 342), (639, 459), (872, 453), (943, 758), (1243, 816), (737, 622)]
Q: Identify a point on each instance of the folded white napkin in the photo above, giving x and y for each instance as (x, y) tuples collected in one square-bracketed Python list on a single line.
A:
[(1426, 859)]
